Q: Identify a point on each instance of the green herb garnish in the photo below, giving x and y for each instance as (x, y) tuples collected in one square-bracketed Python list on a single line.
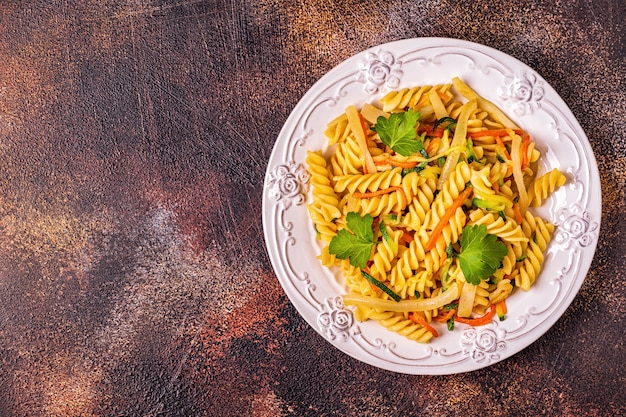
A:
[(481, 253), (398, 132), (356, 243)]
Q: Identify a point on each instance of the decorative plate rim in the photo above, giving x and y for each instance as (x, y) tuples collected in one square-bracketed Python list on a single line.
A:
[(531, 102)]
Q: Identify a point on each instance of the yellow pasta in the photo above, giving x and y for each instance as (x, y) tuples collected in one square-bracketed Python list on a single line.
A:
[(337, 130), (544, 185), (346, 159), (368, 182), (385, 253), (324, 197), (409, 184)]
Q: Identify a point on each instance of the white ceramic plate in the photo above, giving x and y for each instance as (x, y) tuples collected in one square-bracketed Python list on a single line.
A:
[(533, 104)]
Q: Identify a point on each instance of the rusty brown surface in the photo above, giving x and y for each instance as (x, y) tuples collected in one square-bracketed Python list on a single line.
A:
[(134, 279)]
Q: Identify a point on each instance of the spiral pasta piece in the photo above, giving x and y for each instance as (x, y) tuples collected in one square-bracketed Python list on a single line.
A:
[(406, 327), (413, 97), (501, 291), (544, 186), (507, 230), (539, 233), (386, 203), (481, 182), (413, 183), (420, 204), (513, 252), (354, 278), (324, 197), (325, 229), (326, 258), (408, 261), (481, 296), (368, 182), (384, 254), (347, 158), (417, 258), (450, 191), (531, 265), (498, 171), (337, 131), (534, 226)]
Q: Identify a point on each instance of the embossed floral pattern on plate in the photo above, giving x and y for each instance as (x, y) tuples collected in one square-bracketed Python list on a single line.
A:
[(288, 183)]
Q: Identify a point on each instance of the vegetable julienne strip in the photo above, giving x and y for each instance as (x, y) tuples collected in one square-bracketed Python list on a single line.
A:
[(407, 237), (502, 147), (525, 146), (445, 317), (494, 133), (430, 130), (518, 175), (450, 122), (501, 310), (381, 286), (478, 321), (484, 104), (356, 123), (382, 192), (403, 306), (417, 159), (458, 139), (433, 144), (421, 320), (443, 221), (377, 192), (395, 163)]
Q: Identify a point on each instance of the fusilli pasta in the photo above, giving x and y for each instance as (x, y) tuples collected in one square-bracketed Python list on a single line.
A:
[(469, 170)]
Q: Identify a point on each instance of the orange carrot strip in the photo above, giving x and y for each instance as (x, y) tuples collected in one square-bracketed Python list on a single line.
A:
[(495, 133), (382, 192), (517, 213), (368, 166), (446, 317), (430, 131), (443, 259), (501, 144), (501, 309), (419, 319), (377, 192), (443, 221), (433, 144), (478, 321), (399, 164), (525, 144), (495, 187), (406, 237)]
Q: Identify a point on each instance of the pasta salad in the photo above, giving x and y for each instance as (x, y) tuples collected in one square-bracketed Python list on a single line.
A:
[(422, 203)]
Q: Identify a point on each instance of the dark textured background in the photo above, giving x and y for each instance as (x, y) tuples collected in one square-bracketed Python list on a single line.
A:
[(134, 137)]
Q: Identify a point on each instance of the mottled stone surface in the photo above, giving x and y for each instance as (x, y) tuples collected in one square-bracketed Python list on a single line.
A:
[(134, 280)]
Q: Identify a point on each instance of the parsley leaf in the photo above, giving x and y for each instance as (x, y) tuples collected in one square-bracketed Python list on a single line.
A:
[(481, 253), (356, 246), (398, 132)]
